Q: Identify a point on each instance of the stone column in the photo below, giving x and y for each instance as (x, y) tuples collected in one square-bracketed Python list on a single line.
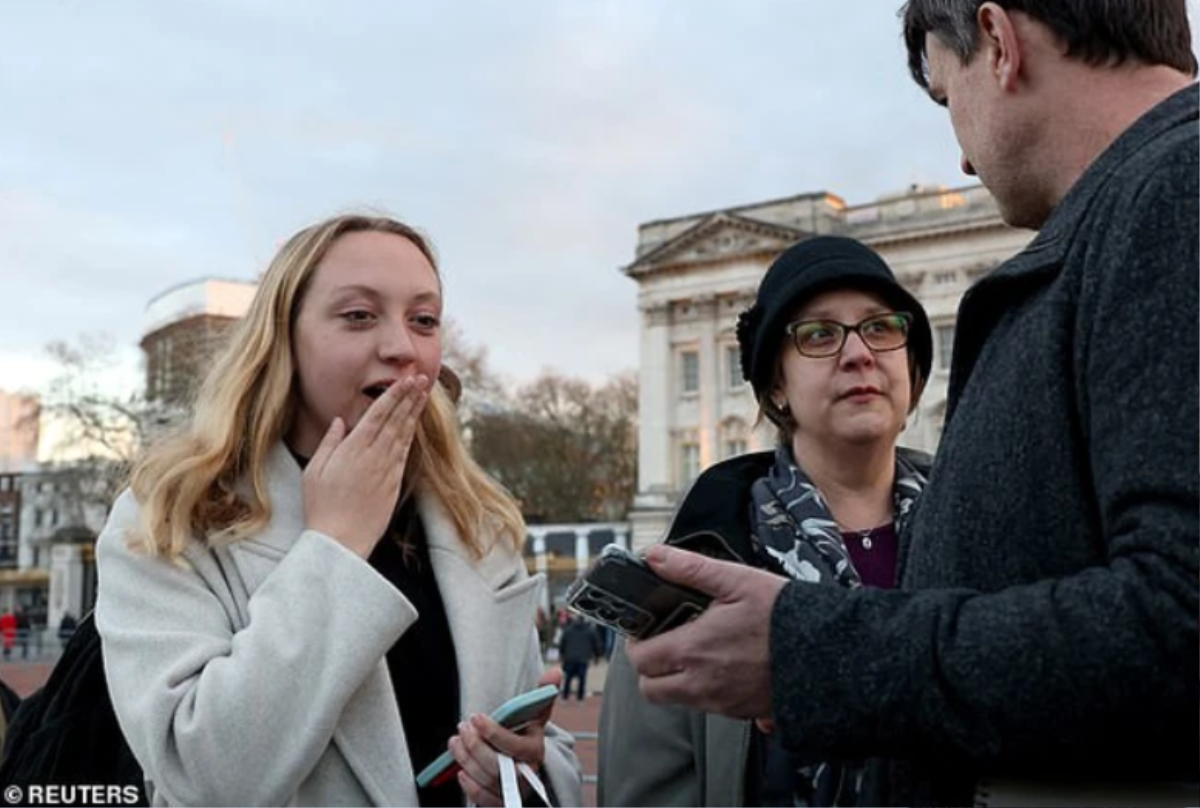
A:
[(710, 378), (538, 538), (581, 550), (652, 504), (654, 397), (621, 537)]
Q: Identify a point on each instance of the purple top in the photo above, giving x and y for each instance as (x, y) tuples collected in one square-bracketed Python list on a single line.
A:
[(873, 553)]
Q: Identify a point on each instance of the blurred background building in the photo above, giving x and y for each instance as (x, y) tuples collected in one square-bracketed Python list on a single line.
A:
[(19, 421), (185, 327), (696, 273)]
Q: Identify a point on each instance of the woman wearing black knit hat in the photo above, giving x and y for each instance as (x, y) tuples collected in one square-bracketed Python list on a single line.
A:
[(837, 353)]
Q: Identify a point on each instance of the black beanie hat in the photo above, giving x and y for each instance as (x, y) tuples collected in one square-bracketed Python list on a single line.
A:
[(804, 270)]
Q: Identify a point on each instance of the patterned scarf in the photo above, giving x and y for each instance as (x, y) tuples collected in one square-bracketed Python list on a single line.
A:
[(796, 536)]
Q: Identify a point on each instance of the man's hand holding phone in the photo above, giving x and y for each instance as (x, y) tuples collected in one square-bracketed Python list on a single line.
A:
[(621, 591), (721, 662)]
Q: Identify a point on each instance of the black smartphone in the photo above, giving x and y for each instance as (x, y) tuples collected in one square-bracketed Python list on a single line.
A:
[(622, 592)]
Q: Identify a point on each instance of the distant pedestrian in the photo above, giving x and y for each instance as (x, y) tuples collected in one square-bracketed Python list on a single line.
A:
[(8, 632), (544, 630), (66, 628), (23, 629), (577, 648), (608, 640)]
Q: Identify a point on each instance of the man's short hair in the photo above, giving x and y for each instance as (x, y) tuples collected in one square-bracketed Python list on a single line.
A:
[(1099, 32)]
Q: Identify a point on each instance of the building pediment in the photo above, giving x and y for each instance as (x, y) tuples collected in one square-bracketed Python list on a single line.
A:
[(716, 238)]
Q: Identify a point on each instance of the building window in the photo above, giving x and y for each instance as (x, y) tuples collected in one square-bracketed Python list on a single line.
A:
[(689, 365), (944, 335), (733, 437), (8, 545), (166, 369), (733, 368), (689, 461)]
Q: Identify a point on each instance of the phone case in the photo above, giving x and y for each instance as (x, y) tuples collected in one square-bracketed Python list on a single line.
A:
[(518, 711), (622, 592), (513, 714)]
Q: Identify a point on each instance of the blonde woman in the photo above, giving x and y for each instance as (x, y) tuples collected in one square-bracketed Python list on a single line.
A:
[(312, 591)]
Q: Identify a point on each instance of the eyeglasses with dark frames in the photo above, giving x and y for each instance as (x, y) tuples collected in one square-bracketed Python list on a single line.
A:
[(822, 338)]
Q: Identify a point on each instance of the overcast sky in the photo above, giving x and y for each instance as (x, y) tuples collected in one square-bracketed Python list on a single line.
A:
[(144, 144)]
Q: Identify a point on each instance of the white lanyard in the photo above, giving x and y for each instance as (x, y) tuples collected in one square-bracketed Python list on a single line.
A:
[(509, 785)]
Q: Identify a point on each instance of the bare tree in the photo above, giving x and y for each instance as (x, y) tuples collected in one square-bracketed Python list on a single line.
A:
[(567, 450), (96, 431), (617, 429), (469, 361), (482, 389)]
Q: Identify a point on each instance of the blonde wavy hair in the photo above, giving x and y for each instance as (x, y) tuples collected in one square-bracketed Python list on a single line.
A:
[(209, 481)]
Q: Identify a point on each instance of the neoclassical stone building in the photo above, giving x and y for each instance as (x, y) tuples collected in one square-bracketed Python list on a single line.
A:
[(696, 273)]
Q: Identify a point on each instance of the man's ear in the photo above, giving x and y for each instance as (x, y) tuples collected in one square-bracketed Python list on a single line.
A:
[(999, 44)]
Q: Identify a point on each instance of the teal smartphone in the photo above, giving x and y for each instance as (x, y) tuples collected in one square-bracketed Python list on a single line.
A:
[(514, 714)]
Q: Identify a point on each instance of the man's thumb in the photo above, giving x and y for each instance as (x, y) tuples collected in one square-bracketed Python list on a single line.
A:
[(692, 569)]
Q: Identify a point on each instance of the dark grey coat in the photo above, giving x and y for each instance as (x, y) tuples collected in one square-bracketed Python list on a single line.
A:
[(1049, 623), (579, 643)]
